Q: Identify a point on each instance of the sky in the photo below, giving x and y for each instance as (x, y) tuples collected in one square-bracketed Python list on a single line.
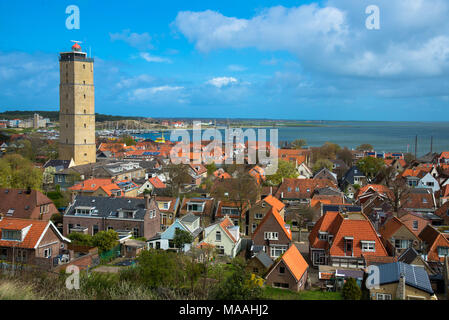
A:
[(305, 60)]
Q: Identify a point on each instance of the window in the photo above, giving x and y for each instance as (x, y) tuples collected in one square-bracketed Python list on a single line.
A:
[(348, 247), (322, 235), (289, 189), (85, 141), (276, 251), (254, 227), (443, 251), (383, 296), (271, 236), (15, 235), (282, 270), (368, 246), (84, 66), (136, 232), (85, 126), (220, 250), (280, 285), (258, 216), (84, 111), (297, 189), (255, 270), (402, 244), (415, 224), (218, 236), (47, 253), (3, 254)]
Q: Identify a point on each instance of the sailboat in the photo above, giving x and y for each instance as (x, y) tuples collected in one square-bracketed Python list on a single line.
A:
[(161, 139)]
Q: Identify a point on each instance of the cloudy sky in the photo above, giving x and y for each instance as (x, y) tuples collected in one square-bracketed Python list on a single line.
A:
[(250, 59)]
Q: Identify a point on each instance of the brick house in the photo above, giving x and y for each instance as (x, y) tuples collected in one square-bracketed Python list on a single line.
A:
[(93, 214), (31, 242), (436, 245), (168, 206), (289, 272), (343, 240), (294, 190), (26, 204), (273, 235), (397, 237), (258, 211), (201, 207)]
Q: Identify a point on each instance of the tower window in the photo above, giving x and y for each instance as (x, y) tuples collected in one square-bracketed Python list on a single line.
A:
[(85, 154), (84, 96), (66, 140), (85, 141), (66, 125), (84, 66), (84, 111), (84, 82), (85, 126)]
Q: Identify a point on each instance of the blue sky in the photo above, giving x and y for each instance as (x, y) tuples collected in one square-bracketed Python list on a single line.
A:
[(250, 59)]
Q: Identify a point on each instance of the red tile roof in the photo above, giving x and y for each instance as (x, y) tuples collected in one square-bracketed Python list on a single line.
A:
[(32, 237), (157, 183), (295, 262)]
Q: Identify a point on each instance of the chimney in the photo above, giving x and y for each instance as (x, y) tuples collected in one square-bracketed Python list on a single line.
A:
[(72, 197), (400, 291), (28, 190), (147, 198)]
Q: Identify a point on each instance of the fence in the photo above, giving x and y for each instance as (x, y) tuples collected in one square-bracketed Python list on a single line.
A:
[(110, 254)]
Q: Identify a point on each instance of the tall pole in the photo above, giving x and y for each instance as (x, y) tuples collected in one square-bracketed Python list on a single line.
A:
[(431, 144), (416, 146)]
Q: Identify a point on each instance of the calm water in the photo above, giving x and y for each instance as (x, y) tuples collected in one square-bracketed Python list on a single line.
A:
[(384, 136)]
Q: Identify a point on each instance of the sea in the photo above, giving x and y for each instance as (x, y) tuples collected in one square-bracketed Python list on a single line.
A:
[(383, 136)]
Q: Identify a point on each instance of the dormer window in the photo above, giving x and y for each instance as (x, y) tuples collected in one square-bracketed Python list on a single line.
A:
[(12, 235), (195, 207), (322, 235), (84, 210), (10, 212)]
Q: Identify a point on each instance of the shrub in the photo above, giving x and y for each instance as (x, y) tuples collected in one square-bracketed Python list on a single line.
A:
[(351, 290)]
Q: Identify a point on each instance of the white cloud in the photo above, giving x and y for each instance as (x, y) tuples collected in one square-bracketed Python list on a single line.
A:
[(141, 41), (413, 40), (222, 81), (236, 67), (150, 58), (147, 93)]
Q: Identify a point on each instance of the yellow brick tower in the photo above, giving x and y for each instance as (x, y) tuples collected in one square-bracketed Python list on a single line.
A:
[(76, 107)]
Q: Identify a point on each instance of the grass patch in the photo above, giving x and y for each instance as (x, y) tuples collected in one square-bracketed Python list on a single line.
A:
[(283, 294)]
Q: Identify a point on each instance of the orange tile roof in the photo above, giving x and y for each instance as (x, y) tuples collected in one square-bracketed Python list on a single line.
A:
[(157, 183), (295, 262), (274, 202), (390, 227), (444, 155), (335, 224), (90, 185), (413, 173), (379, 188), (225, 224), (32, 237), (317, 200)]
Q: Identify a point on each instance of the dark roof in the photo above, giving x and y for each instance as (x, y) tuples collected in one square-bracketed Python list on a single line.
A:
[(408, 256), (351, 173), (341, 207), (264, 259), (356, 274), (415, 276), (58, 164), (106, 205)]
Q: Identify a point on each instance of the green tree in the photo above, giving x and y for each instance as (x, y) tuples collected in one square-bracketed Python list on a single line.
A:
[(326, 151), (181, 238), (408, 157), (211, 168), (285, 169), (346, 156), (299, 143), (18, 172), (365, 147), (105, 240), (370, 166), (158, 268), (238, 285), (322, 163), (128, 140), (351, 291), (81, 239), (179, 176)]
